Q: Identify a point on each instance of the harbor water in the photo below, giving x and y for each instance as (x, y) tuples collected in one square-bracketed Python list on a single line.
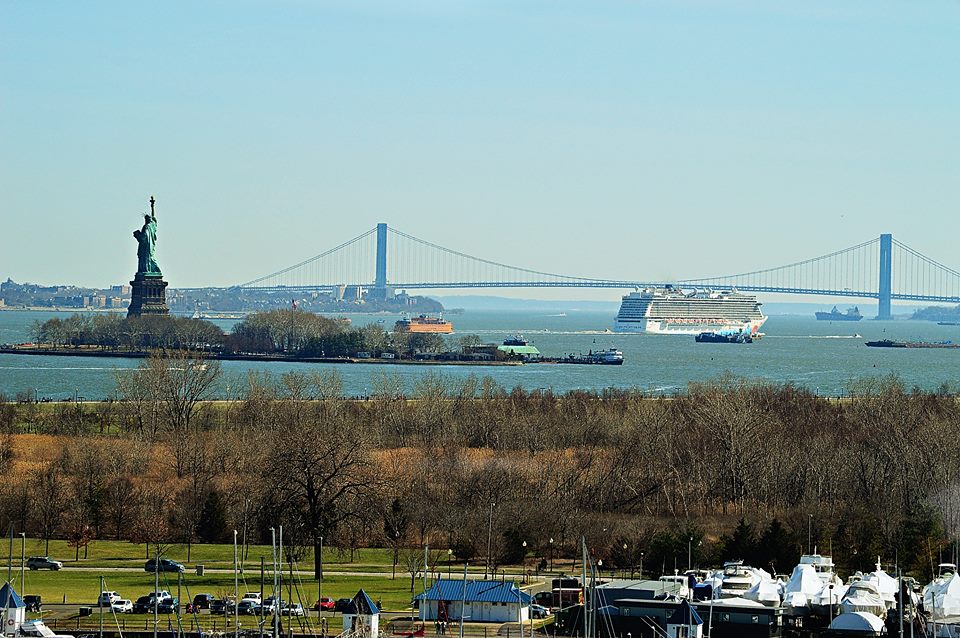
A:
[(825, 357)]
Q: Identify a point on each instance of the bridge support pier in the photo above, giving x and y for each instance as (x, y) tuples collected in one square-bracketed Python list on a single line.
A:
[(379, 290), (886, 261)]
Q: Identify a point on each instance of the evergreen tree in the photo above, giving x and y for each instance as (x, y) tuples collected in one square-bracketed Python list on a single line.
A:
[(212, 526)]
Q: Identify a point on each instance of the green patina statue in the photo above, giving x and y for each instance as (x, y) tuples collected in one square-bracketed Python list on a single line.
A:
[(147, 244)]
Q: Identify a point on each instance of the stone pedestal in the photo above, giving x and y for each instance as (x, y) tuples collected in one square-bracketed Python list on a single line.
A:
[(149, 296)]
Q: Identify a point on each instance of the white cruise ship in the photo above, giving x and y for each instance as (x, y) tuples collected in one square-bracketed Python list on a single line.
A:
[(670, 310)]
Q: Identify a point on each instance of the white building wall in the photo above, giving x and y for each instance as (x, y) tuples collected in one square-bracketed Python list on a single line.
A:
[(479, 612)]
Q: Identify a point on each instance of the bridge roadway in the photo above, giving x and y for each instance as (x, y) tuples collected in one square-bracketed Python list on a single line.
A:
[(623, 285)]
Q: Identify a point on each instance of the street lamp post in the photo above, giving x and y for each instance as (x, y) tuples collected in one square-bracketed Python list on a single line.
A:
[(625, 558), (809, 532), (523, 562), (690, 553), (641, 565), (449, 559), (23, 584), (551, 553), (489, 539)]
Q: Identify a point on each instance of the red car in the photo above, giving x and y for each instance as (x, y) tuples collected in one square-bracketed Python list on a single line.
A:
[(326, 604)]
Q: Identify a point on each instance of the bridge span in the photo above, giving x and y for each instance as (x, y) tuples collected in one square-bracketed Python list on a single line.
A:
[(881, 268)]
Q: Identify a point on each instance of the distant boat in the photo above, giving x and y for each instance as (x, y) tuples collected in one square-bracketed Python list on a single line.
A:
[(852, 314), (889, 343), (559, 314), (726, 337)]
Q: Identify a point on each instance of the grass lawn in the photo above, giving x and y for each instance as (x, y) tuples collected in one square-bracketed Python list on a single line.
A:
[(104, 553), (82, 587)]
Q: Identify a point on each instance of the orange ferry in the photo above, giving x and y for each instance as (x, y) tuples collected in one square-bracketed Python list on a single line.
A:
[(423, 323)]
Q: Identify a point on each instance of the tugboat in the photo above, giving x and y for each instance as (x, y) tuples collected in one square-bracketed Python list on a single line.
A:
[(852, 314), (726, 337)]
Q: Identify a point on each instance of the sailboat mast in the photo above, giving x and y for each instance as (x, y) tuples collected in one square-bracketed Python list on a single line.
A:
[(101, 606), (236, 590), (463, 599), (583, 588)]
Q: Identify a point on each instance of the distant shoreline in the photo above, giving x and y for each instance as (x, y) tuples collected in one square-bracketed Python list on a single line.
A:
[(266, 358)]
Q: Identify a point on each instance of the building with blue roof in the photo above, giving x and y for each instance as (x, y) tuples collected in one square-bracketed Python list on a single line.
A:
[(361, 617), (13, 607), (481, 601)]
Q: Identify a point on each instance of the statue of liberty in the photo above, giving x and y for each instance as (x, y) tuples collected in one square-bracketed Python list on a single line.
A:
[(147, 244)]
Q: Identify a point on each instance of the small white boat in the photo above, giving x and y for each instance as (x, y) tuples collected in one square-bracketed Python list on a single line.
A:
[(886, 585), (803, 585), (822, 565), (941, 598), (767, 592), (826, 602), (858, 623), (864, 596), (737, 579)]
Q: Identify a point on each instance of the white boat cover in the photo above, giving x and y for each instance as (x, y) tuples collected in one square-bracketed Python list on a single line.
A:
[(734, 602), (886, 585), (942, 598), (863, 596), (821, 599), (860, 622), (803, 580), (766, 592)]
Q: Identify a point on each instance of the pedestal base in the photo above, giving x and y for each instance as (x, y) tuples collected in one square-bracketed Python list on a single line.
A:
[(148, 297)]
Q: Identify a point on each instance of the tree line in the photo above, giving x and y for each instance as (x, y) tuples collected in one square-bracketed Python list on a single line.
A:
[(728, 469), (289, 332)]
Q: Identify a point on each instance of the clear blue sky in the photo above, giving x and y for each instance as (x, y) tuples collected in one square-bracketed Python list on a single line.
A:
[(624, 139)]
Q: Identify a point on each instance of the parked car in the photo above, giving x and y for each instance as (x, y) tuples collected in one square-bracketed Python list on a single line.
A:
[(342, 604), (544, 598), (168, 605), (44, 562), (122, 606), (107, 598), (144, 605), (163, 593), (248, 606), (325, 603), (539, 611), (165, 565), (251, 595), (32, 603), (203, 601), (268, 606), (221, 606), (292, 609)]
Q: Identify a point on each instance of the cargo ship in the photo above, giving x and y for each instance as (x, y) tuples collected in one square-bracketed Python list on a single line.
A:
[(670, 310), (852, 314), (888, 343), (424, 323)]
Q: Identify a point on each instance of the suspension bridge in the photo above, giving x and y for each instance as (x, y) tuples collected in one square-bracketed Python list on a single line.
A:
[(881, 268)]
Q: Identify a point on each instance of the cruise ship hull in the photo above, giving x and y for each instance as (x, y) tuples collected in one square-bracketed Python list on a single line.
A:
[(667, 327)]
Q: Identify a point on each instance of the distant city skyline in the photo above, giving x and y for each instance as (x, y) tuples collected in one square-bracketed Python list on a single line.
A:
[(654, 140)]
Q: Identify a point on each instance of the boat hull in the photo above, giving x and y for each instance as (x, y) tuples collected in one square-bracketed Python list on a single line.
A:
[(684, 327)]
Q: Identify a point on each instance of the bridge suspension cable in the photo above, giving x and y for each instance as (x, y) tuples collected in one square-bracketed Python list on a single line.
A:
[(274, 279), (425, 261), (880, 268)]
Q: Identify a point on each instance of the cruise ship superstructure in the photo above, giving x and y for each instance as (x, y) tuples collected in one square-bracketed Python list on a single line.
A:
[(670, 310)]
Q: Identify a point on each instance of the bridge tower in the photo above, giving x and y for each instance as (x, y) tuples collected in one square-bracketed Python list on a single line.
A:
[(380, 281), (886, 260)]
